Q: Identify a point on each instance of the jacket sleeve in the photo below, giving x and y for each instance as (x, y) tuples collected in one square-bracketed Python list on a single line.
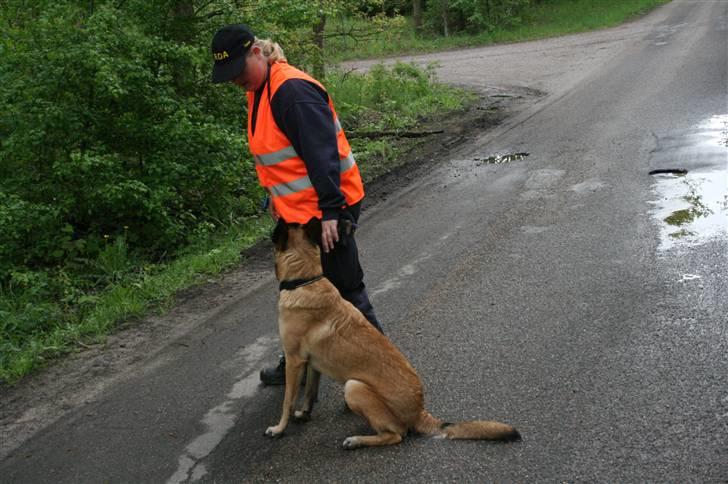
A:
[(301, 110)]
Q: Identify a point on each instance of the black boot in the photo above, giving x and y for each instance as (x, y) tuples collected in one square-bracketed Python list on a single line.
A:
[(275, 375)]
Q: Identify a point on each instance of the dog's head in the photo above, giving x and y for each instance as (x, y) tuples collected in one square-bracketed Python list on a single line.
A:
[(296, 249)]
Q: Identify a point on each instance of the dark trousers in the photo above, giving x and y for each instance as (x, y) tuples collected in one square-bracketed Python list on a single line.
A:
[(341, 267)]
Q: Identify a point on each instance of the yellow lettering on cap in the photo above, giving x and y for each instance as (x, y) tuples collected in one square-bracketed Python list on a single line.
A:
[(246, 44), (220, 55)]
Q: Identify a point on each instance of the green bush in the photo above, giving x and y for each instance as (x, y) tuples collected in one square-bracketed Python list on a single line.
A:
[(108, 129), (30, 232), (390, 98)]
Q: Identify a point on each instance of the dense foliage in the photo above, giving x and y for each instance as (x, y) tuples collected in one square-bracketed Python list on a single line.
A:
[(448, 16), (108, 130), (451, 16)]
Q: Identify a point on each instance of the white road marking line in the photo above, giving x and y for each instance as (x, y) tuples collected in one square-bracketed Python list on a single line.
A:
[(396, 281), (219, 420)]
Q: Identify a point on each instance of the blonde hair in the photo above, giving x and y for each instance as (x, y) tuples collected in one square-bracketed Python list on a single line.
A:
[(270, 50)]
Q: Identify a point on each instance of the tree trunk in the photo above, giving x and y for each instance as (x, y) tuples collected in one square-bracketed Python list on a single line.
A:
[(445, 8), (183, 23), (417, 14), (182, 30), (319, 68)]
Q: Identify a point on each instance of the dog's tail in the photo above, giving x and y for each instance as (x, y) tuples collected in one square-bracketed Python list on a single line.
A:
[(474, 429)]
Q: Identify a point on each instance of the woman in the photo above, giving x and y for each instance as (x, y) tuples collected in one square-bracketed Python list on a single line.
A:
[(302, 157)]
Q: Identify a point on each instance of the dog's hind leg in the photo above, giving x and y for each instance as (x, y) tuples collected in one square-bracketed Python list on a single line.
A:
[(363, 400), (310, 395)]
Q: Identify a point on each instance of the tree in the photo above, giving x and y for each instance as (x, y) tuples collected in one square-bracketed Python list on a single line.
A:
[(417, 14)]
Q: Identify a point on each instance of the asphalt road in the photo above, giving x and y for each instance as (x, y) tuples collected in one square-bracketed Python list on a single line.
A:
[(547, 292)]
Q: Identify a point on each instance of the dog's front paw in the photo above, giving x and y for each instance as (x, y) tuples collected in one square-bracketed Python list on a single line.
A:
[(273, 432), (351, 443), (302, 416)]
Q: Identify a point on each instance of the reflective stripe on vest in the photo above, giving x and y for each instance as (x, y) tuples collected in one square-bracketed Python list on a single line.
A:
[(276, 157), (285, 153), (300, 184)]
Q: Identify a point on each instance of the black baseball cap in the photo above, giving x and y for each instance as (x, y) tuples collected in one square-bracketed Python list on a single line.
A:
[(230, 45)]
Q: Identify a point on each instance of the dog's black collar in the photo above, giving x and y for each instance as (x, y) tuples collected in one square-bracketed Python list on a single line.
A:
[(296, 283)]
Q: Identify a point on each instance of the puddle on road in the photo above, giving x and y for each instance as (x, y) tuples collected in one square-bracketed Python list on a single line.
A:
[(691, 184), (498, 159), (463, 167)]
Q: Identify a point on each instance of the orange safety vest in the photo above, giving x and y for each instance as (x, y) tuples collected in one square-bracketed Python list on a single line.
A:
[(280, 170)]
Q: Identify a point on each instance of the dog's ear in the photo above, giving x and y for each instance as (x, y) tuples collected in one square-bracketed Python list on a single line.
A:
[(280, 235), (312, 229)]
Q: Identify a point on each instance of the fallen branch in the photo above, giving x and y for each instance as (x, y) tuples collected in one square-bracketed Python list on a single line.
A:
[(396, 134)]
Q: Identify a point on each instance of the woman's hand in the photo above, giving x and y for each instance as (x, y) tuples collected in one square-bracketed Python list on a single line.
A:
[(329, 234)]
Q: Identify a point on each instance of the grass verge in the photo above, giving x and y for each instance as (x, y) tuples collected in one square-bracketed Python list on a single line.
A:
[(92, 315)]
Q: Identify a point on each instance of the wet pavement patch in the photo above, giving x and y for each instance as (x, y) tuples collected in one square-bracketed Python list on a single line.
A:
[(691, 205), (498, 159), (700, 147), (692, 208)]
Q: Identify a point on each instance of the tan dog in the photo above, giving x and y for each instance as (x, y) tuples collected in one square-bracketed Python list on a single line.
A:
[(317, 326)]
